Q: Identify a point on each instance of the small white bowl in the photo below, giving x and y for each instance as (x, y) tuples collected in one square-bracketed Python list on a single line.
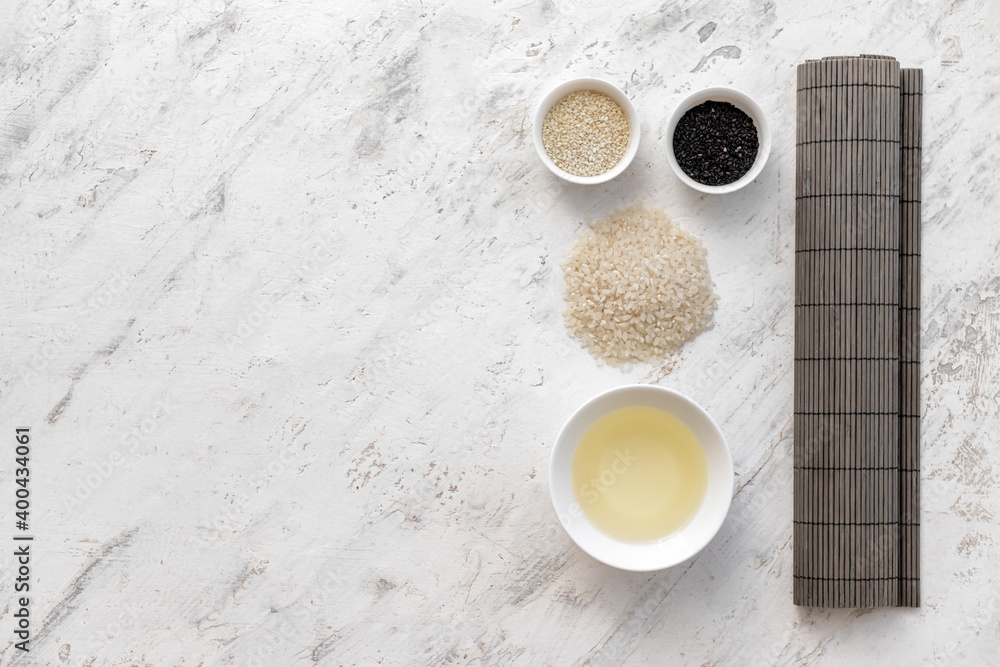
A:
[(670, 550), (747, 106), (600, 86)]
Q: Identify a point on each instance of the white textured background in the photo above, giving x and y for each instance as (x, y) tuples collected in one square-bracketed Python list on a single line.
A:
[(281, 305)]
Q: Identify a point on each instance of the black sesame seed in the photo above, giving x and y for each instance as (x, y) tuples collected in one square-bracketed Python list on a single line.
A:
[(702, 139)]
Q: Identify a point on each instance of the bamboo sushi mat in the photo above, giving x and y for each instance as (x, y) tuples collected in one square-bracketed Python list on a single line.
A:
[(857, 317)]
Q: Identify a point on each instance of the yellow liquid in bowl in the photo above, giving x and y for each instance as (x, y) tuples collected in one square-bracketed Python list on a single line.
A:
[(639, 474)]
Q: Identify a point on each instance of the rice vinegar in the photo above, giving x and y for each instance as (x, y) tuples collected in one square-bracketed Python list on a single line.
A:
[(639, 474)]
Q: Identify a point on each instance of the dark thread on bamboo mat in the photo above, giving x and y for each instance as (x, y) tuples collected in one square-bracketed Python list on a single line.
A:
[(848, 194), (844, 141), (846, 359), (847, 85), (846, 303), (845, 467), (893, 413), (845, 523), (802, 576), (845, 250)]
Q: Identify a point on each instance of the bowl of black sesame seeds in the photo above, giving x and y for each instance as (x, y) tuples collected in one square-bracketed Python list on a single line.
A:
[(717, 140), (586, 130)]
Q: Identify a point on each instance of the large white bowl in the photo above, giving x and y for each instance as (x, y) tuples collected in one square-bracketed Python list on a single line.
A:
[(673, 549), (741, 102), (600, 86)]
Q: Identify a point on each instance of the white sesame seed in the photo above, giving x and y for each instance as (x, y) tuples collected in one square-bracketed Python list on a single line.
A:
[(585, 133)]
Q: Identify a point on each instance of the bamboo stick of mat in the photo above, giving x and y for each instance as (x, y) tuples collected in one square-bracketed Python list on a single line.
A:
[(848, 544)]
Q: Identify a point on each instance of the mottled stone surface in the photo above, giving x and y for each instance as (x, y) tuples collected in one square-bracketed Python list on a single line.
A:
[(282, 309)]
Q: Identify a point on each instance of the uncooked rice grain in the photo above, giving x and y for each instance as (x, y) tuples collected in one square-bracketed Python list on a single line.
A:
[(637, 287)]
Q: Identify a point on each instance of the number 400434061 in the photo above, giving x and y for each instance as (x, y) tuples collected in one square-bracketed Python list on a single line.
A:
[(21, 475)]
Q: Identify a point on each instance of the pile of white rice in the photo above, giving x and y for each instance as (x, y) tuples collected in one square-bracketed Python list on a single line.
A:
[(637, 287)]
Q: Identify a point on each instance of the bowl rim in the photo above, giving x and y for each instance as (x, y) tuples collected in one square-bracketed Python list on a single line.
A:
[(741, 101), (711, 530), (560, 90)]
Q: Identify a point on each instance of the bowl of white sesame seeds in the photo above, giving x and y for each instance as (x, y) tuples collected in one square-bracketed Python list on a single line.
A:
[(586, 130)]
